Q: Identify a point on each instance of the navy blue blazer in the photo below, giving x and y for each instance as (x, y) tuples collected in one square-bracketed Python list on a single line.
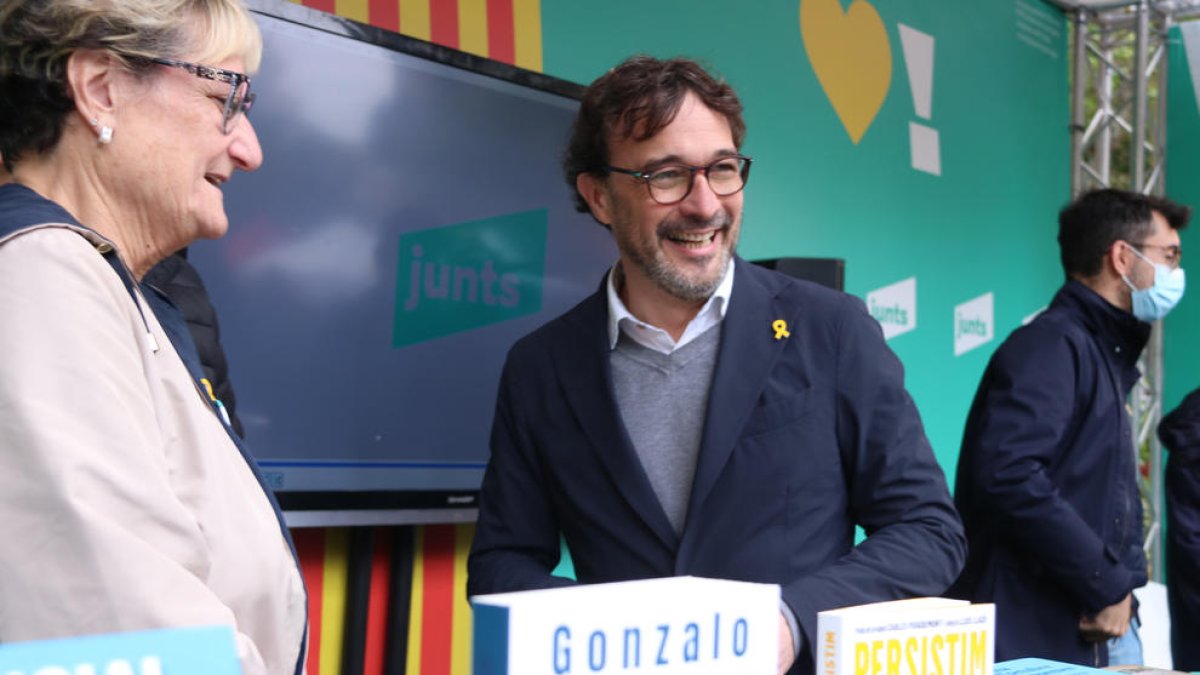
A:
[(1046, 480), (805, 437), (1180, 433)]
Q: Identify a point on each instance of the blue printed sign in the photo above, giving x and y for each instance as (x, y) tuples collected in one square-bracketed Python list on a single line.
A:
[(207, 650)]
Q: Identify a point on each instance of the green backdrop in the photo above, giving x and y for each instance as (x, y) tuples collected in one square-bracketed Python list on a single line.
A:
[(1181, 361), (1000, 108)]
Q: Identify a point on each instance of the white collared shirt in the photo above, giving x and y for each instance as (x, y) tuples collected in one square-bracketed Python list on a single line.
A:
[(653, 337)]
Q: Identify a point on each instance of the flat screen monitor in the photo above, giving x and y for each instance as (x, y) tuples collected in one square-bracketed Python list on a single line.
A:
[(409, 223)]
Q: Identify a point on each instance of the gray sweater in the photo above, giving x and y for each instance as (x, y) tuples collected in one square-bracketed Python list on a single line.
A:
[(662, 399)]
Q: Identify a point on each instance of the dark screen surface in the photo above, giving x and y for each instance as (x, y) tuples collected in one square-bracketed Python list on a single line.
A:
[(409, 223)]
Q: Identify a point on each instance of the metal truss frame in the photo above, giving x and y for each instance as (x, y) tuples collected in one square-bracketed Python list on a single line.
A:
[(1118, 139)]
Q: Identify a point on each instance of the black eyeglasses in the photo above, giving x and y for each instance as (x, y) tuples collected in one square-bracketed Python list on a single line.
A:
[(239, 99), (1172, 253), (672, 183)]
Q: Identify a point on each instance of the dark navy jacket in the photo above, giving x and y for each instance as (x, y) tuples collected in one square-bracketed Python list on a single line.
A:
[(1180, 433), (805, 436), (1046, 482)]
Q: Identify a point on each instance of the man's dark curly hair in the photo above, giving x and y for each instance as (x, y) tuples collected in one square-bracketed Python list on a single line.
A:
[(1088, 226), (636, 100)]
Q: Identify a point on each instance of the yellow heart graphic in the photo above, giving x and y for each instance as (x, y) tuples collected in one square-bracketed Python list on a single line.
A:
[(850, 53)]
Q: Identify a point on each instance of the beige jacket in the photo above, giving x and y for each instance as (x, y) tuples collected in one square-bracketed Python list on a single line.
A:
[(124, 504)]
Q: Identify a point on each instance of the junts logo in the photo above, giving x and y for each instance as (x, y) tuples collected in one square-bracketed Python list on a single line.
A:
[(458, 277), (895, 307), (974, 324)]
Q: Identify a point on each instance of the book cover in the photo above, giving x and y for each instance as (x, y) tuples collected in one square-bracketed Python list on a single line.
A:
[(1034, 666), (918, 636)]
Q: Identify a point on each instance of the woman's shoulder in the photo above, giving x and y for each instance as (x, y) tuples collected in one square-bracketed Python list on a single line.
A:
[(54, 268), (36, 247)]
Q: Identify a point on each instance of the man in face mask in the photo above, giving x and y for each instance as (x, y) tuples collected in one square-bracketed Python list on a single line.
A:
[(1047, 480)]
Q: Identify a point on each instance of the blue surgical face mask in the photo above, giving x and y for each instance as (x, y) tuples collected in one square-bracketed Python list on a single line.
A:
[(1153, 303)]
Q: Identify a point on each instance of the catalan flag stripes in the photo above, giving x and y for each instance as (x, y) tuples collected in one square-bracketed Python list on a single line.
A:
[(503, 30), (375, 656), (310, 549), (460, 643), (439, 641), (386, 601), (324, 561), (333, 600)]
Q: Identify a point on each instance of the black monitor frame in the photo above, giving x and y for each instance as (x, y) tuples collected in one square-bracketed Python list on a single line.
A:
[(352, 508)]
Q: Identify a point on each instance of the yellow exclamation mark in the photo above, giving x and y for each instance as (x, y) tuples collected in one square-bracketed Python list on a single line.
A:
[(918, 60)]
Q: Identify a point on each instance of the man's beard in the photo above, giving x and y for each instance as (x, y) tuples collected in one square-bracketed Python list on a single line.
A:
[(673, 278)]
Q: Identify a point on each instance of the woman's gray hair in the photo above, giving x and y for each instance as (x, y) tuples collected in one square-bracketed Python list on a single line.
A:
[(37, 37)]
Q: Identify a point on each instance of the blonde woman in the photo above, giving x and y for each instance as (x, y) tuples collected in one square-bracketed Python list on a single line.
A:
[(127, 503)]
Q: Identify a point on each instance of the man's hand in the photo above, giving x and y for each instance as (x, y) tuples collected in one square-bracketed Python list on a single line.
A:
[(1110, 622), (786, 654)]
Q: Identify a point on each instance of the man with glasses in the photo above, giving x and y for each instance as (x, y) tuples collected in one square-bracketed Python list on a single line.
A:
[(1047, 483), (700, 415)]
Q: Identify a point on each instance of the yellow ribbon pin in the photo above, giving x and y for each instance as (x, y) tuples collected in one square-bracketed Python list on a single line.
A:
[(780, 327)]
